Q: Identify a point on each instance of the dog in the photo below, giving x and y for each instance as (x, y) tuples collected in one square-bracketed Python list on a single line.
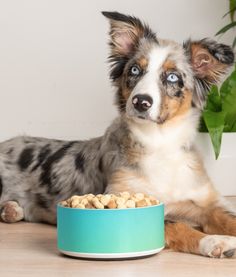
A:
[(161, 87)]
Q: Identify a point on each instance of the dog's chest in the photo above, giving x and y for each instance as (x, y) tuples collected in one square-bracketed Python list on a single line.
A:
[(169, 170), (170, 177)]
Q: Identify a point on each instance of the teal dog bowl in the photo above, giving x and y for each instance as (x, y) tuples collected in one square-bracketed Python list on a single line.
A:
[(110, 233)]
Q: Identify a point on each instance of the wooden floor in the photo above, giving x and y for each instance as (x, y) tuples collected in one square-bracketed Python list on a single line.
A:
[(28, 249)]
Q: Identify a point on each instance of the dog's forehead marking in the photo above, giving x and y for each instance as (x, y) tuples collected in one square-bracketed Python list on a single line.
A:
[(157, 57)]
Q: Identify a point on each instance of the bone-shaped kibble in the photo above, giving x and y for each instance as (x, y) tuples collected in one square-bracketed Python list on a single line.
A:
[(105, 199), (97, 204), (122, 200)]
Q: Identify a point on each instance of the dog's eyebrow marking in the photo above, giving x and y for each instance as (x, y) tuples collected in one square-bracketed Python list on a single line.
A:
[(25, 158), (79, 162), (169, 65), (142, 62), (43, 154), (54, 158)]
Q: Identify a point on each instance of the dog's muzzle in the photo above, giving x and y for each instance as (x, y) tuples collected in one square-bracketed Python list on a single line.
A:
[(142, 102)]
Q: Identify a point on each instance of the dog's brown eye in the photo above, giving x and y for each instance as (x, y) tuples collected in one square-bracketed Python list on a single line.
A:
[(135, 71)]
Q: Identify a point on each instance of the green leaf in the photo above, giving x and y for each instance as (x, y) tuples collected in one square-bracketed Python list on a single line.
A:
[(202, 126), (215, 125), (228, 84), (234, 43), (226, 28), (229, 108), (214, 100), (232, 11), (232, 8), (234, 127)]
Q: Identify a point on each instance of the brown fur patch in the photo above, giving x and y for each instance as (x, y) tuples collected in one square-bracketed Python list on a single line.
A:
[(181, 237), (126, 93), (205, 65), (133, 155), (175, 106), (169, 65), (184, 211), (142, 62), (219, 221), (209, 218)]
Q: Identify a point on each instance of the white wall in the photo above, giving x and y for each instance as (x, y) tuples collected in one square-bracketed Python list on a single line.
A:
[(53, 70)]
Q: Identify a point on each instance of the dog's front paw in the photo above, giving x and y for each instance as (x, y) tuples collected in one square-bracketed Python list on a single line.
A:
[(12, 212), (217, 246)]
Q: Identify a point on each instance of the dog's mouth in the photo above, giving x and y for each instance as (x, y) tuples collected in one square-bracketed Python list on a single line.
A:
[(145, 116), (160, 119)]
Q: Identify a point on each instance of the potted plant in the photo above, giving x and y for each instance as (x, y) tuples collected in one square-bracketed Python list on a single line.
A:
[(219, 121)]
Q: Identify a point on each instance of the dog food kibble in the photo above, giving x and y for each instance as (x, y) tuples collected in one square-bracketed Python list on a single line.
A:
[(122, 200), (105, 199), (130, 203)]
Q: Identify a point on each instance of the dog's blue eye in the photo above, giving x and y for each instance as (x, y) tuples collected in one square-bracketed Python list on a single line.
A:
[(134, 70), (172, 78)]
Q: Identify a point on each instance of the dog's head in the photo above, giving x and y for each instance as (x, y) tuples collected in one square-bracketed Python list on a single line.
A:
[(156, 79)]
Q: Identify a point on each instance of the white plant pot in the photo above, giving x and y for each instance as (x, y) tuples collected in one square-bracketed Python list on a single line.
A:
[(222, 171)]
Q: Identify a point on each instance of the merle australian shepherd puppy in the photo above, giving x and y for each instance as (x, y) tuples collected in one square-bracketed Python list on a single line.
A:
[(161, 89)]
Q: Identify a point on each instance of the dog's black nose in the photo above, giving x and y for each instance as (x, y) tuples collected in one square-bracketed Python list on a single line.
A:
[(142, 102)]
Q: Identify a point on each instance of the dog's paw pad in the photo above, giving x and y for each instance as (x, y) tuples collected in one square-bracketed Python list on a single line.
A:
[(215, 253), (229, 253)]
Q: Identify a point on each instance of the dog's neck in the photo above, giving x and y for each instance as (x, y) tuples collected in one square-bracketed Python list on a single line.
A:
[(177, 133)]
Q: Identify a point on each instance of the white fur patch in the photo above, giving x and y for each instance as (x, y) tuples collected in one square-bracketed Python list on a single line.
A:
[(168, 168), (149, 83), (217, 246)]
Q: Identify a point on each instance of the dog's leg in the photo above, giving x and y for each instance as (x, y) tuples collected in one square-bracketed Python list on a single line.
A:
[(11, 212), (214, 217), (219, 221), (181, 237)]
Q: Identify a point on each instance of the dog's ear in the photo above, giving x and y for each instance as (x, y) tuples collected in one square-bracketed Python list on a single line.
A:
[(210, 62), (125, 33)]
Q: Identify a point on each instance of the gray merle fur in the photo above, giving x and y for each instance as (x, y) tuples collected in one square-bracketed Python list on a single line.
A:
[(25, 158), (55, 170)]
